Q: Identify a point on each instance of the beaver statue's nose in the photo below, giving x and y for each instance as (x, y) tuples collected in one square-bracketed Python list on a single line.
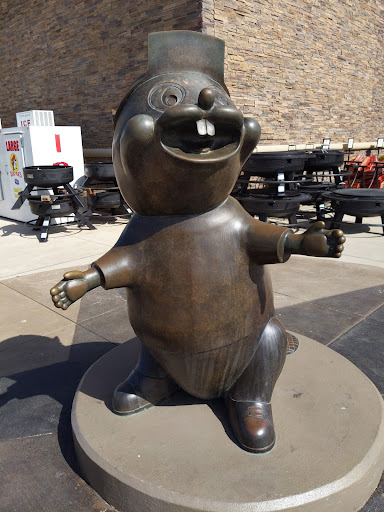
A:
[(206, 98)]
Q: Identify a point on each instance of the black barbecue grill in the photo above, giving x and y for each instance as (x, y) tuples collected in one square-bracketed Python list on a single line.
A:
[(359, 203), (324, 160), (322, 173), (103, 194), (50, 195), (267, 186)]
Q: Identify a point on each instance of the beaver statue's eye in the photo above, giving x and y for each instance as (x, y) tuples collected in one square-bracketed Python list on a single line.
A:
[(170, 100), (165, 95)]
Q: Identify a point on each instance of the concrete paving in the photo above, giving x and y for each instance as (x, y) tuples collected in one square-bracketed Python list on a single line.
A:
[(45, 351), (21, 252)]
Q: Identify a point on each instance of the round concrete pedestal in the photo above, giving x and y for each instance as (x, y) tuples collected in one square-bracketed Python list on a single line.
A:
[(182, 456)]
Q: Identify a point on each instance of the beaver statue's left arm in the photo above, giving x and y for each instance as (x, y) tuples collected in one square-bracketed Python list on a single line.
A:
[(274, 244), (316, 241)]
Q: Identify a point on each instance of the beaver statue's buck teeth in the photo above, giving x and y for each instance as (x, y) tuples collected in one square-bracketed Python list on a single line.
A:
[(210, 128), (205, 127)]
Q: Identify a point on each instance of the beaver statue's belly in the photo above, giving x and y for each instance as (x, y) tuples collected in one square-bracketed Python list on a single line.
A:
[(198, 302)]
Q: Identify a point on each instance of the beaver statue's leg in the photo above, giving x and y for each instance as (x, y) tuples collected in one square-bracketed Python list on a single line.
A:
[(147, 385), (249, 399)]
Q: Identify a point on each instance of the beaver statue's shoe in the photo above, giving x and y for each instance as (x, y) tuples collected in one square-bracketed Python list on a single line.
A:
[(252, 424), (141, 391)]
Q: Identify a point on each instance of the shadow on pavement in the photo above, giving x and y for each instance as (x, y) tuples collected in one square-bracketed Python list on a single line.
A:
[(39, 377)]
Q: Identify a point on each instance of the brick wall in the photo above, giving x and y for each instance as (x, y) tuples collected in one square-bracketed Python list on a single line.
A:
[(305, 69), (79, 57)]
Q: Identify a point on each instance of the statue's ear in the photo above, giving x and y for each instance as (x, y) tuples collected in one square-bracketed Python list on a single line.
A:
[(137, 134), (252, 132), (131, 140)]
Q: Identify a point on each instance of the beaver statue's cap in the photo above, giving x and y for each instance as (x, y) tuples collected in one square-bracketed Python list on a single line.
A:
[(182, 51)]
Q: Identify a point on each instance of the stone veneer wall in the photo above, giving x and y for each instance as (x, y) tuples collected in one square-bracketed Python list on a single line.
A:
[(305, 69), (79, 58)]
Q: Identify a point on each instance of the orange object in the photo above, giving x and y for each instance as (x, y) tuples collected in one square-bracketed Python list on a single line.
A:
[(364, 169)]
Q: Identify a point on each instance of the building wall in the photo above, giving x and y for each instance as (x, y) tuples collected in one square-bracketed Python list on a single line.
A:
[(79, 58), (306, 69)]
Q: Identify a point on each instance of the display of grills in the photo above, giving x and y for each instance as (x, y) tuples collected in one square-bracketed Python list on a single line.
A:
[(363, 196), (270, 185), (103, 194), (276, 184), (50, 195)]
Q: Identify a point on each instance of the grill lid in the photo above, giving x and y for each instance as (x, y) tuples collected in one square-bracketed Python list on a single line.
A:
[(371, 193)]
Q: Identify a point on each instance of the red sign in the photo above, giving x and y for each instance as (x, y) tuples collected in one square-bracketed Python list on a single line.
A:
[(58, 144), (12, 145)]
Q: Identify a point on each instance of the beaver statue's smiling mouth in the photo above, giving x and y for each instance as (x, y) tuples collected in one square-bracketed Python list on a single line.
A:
[(192, 134)]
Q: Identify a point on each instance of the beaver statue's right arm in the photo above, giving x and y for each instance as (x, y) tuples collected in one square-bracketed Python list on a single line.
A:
[(74, 285), (116, 272)]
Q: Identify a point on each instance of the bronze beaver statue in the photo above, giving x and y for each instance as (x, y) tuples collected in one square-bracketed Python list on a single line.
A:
[(191, 258)]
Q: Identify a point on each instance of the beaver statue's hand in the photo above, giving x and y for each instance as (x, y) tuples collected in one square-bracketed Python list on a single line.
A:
[(317, 241), (74, 285)]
